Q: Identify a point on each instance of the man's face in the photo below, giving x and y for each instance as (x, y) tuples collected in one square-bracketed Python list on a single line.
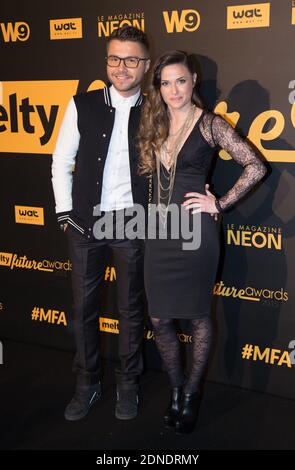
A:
[(127, 80)]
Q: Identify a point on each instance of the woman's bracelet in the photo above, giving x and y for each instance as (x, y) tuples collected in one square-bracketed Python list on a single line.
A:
[(218, 206)]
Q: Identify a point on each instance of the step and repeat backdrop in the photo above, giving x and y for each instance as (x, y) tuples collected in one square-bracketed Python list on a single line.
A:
[(52, 50)]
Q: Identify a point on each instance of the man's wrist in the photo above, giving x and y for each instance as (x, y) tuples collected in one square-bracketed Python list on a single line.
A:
[(62, 220)]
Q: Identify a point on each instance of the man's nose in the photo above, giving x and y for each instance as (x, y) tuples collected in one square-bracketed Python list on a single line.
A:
[(122, 66)]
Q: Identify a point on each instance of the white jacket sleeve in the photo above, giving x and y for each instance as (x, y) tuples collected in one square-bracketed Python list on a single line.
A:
[(63, 160)]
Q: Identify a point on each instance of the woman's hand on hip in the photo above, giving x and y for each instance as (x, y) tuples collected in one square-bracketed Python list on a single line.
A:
[(201, 203)]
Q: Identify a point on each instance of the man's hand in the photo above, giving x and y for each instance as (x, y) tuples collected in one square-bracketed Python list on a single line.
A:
[(63, 227)]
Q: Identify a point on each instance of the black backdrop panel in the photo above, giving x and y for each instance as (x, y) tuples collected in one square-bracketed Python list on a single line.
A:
[(246, 63)]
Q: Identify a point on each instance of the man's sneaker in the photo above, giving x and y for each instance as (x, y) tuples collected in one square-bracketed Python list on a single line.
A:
[(127, 403), (82, 401)]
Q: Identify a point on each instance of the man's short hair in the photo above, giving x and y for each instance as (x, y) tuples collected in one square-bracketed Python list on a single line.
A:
[(130, 33)]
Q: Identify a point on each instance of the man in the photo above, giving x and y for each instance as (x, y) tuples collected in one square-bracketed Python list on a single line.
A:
[(97, 136)]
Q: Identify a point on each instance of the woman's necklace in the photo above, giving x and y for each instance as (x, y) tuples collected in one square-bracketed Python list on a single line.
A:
[(169, 156)]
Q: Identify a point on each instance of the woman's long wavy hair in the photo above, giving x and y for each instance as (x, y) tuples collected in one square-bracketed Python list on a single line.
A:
[(154, 122)]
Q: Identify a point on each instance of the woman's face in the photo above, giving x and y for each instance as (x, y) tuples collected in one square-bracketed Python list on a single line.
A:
[(177, 86)]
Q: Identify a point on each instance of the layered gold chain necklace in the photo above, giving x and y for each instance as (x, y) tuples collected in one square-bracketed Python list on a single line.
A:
[(169, 154)]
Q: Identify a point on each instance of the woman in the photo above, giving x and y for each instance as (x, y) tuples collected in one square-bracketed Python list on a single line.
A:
[(178, 140)]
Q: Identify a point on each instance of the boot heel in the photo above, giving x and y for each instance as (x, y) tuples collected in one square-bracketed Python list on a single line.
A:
[(173, 407), (188, 415)]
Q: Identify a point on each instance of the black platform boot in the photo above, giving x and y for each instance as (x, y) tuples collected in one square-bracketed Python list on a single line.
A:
[(173, 407), (188, 414)]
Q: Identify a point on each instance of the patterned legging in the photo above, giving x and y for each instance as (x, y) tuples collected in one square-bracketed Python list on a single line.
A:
[(168, 345)]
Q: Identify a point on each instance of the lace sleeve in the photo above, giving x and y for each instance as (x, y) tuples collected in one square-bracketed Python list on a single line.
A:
[(253, 169)]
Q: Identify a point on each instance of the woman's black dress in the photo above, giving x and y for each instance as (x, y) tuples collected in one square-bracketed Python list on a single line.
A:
[(179, 282)]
